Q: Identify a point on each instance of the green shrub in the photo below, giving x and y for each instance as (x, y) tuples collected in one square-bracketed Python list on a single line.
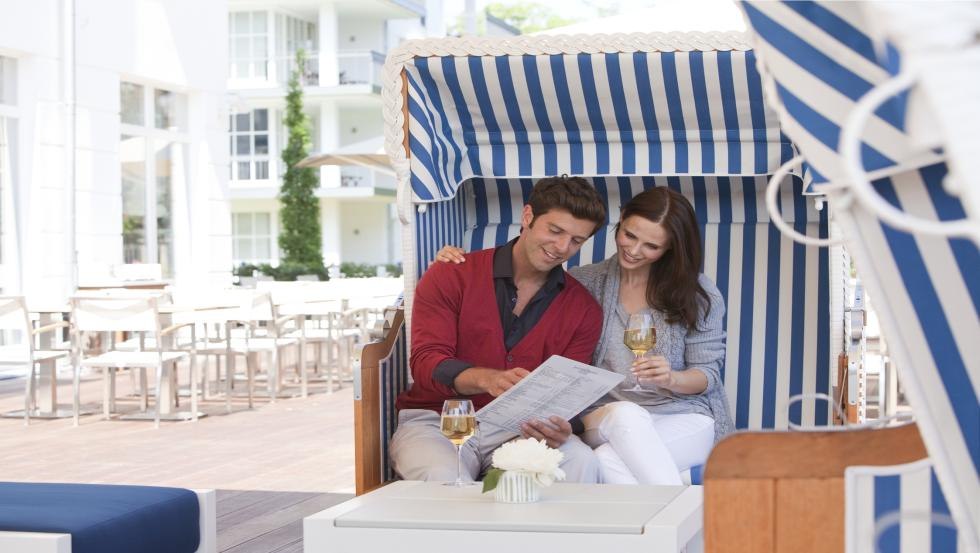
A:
[(289, 271), (283, 271), (357, 270), (244, 270), (394, 269)]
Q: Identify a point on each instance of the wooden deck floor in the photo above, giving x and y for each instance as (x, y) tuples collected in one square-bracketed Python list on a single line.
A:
[(272, 465)]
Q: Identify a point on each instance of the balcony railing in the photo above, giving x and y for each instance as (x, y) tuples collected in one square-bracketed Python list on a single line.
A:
[(309, 74), (353, 68), (360, 68), (356, 177)]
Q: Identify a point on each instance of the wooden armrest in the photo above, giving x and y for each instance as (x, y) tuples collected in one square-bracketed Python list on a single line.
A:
[(766, 492), (285, 319), (367, 409), (174, 327), (50, 327)]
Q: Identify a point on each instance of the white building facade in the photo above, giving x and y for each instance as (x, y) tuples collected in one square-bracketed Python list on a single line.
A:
[(113, 141), (345, 44)]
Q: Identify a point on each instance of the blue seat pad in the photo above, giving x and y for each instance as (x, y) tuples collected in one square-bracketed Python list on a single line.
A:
[(102, 518)]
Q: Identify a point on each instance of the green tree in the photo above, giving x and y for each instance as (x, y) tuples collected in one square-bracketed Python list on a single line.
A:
[(299, 235), (529, 17)]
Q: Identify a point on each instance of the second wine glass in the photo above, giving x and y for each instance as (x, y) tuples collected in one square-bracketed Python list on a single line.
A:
[(640, 337), (458, 424)]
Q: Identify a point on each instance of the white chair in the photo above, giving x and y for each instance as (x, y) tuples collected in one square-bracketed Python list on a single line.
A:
[(262, 331), (128, 314), (15, 319)]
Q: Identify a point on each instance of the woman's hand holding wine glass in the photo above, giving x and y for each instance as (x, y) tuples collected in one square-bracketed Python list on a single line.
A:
[(640, 337)]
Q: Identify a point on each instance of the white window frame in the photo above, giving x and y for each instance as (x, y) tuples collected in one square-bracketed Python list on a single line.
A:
[(234, 57), (253, 159), (272, 237), (152, 136), (9, 236)]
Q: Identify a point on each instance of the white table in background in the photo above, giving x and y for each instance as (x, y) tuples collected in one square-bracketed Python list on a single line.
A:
[(410, 517)]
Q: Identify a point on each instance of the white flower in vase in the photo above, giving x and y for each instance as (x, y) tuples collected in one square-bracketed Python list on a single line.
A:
[(528, 455)]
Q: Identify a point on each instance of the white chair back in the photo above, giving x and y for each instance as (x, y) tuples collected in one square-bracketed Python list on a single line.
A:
[(13, 314), (15, 329), (94, 314), (259, 307)]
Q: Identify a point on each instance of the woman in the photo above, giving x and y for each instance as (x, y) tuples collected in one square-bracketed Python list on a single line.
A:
[(651, 435)]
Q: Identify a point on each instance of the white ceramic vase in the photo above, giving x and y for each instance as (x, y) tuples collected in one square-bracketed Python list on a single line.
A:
[(517, 486)]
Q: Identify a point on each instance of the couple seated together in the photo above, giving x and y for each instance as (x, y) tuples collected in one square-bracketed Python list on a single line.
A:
[(482, 321)]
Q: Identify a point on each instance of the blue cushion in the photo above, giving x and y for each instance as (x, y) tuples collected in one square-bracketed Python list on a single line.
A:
[(697, 475), (136, 519)]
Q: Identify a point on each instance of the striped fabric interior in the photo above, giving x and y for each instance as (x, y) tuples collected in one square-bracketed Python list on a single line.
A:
[(638, 113), (777, 292), (933, 321), (872, 492), (926, 290), (393, 378), (819, 64)]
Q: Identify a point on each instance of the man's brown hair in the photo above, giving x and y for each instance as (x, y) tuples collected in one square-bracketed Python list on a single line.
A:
[(572, 194)]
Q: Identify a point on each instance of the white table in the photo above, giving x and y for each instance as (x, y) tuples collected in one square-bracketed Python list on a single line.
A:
[(423, 517)]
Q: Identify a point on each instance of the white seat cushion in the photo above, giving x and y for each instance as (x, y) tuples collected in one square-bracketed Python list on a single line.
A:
[(313, 334), (131, 359), (238, 345), (15, 355)]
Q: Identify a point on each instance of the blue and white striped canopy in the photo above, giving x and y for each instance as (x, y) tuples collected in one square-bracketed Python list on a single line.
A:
[(926, 289), (697, 112), (819, 63)]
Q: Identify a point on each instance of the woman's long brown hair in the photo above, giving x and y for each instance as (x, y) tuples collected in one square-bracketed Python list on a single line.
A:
[(673, 286)]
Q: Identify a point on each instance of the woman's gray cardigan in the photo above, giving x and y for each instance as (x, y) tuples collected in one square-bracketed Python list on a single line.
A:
[(702, 348)]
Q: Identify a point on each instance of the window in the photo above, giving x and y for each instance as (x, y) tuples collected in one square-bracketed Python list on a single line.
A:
[(291, 35), (249, 143), (152, 151), (131, 102), (8, 99), (251, 237), (248, 35)]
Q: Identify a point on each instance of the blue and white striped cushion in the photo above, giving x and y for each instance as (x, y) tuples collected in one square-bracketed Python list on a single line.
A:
[(776, 291), (393, 377), (630, 113), (874, 492), (931, 317)]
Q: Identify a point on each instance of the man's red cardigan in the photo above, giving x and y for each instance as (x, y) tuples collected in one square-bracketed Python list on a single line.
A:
[(455, 316)]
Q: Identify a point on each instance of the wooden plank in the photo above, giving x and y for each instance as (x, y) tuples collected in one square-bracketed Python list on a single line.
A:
[(810, 515), (367, 412), (811, 454), (739, 516), (297, 444), (259, 524)]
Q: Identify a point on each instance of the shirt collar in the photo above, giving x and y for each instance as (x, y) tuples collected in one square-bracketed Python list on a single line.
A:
[(503, 267)]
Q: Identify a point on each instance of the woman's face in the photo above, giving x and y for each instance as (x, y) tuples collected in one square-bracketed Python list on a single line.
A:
[(640, 242)]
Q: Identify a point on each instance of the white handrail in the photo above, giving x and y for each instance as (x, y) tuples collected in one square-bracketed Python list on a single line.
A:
[(772, 191), (894, 518), (850, 150)]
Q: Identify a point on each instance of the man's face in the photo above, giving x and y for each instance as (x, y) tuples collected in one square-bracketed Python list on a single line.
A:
[(553, 237)]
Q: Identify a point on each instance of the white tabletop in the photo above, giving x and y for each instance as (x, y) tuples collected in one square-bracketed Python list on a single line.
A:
[(566, 508), (415, 517)]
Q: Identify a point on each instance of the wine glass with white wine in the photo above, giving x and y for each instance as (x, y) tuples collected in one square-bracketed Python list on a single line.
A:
[(640, 337), (458, 424)]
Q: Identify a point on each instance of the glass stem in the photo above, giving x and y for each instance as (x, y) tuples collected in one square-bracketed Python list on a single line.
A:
[(459, 462)]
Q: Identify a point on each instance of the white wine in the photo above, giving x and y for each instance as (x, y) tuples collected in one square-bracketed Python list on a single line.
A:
[(458, 428), (640, 340)]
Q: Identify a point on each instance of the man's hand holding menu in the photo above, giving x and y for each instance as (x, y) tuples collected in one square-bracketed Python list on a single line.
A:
[(560, 388)]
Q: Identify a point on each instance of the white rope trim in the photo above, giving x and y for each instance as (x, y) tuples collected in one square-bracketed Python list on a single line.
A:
[(391, 92)]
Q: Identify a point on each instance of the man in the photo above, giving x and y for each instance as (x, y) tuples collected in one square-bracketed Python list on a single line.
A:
[(479, 327)]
